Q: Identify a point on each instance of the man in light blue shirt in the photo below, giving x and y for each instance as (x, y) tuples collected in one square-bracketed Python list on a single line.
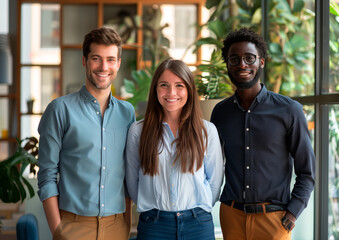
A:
[(81, 157)]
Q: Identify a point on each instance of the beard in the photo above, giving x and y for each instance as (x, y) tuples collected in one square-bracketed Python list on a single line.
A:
[(245, 85), (97, 84)]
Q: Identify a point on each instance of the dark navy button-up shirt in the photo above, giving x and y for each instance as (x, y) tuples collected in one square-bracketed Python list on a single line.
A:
[(262, 145)]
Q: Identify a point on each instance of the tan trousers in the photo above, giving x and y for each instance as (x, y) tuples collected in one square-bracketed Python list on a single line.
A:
[(237, 225), (77, 227)]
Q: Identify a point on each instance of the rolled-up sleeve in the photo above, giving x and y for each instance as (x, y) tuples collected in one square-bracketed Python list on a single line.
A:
[(50, 131)]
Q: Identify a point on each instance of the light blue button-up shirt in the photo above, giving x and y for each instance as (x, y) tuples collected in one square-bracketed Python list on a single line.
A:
[(81, 154), (173, 190)]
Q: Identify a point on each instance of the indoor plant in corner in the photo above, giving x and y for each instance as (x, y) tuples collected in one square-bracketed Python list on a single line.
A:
[(12, 182), (212, 83)]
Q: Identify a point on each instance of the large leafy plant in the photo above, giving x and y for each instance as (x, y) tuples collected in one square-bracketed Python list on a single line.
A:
[(211, 76), (12, 183), (212, 80), (290, 42)]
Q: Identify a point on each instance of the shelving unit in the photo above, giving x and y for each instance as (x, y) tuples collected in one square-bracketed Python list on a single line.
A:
[(50, 36)]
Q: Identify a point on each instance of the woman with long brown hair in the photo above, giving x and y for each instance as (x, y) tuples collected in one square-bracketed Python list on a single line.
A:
[(174, 165)]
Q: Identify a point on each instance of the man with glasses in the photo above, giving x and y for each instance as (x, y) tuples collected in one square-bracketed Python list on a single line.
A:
[(265, 137)]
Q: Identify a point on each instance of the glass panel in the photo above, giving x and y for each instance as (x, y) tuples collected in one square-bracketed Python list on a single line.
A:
[(333, 173), (304, 228), (3, 89), (206, 49), (41, 84), (73, 73), (182, 31), (124, 19), (4, 125), (290, 66), (169, 29), (78, 21), (128, 64), (332, 85), (4, 17), (40, 32), (29, 126)]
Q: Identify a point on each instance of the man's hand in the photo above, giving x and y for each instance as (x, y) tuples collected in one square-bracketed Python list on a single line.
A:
[(288, 221)]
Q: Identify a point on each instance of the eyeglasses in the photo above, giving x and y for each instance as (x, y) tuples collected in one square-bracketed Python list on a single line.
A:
[(249, 59)]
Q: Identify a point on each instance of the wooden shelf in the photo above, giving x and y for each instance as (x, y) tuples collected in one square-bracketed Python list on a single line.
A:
[(7, 139), (33, 114)]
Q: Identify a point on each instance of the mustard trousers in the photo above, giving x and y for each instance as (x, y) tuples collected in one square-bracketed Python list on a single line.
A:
[(237, 225), (77, 227)]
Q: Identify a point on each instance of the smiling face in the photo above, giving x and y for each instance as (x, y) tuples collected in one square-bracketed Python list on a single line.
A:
[(102, 65), (172, 93), (243, 75)]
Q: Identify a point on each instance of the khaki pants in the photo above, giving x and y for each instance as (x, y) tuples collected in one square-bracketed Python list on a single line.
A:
[(77, 227), (237, 225)]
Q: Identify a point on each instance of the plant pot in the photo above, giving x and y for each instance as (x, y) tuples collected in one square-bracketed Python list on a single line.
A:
[(30, 104), (207, 107)]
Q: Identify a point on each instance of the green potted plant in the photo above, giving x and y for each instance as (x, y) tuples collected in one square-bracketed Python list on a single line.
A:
[(12, 182), (30, 104)]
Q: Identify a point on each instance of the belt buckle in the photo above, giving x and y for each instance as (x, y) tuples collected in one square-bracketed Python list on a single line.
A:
[(258, 208), (245, 207)]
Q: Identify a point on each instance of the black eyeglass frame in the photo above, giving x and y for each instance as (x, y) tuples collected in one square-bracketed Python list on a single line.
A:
[(242, 58)]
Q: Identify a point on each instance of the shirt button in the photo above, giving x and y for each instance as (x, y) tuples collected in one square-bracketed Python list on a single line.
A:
[(102, 205), (249, 111), (98, 113), (103, 129), (95, 101), (247, 186), (104, 148), (247, 129), (248, 167), (234, 101), (102, 186), (247, 148), (103, 167)]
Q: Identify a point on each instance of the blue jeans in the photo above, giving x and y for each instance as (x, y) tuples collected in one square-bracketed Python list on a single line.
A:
[(193, 224)]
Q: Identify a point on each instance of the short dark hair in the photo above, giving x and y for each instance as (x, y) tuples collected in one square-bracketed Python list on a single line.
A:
[(244, 35), (106, 36)]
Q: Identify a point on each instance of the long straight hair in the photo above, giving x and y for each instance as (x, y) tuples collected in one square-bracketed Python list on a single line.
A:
[(191, 142)]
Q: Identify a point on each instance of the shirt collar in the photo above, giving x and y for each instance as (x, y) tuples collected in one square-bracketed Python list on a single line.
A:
[(87, 97), (258, 98)]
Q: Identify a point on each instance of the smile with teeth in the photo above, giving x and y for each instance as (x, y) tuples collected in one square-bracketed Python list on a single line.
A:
[(244, 73), (172, 99), (103, 75)]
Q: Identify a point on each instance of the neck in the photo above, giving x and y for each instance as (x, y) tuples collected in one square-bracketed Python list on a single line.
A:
[(102, 96), (172, 120), (248, 95)]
